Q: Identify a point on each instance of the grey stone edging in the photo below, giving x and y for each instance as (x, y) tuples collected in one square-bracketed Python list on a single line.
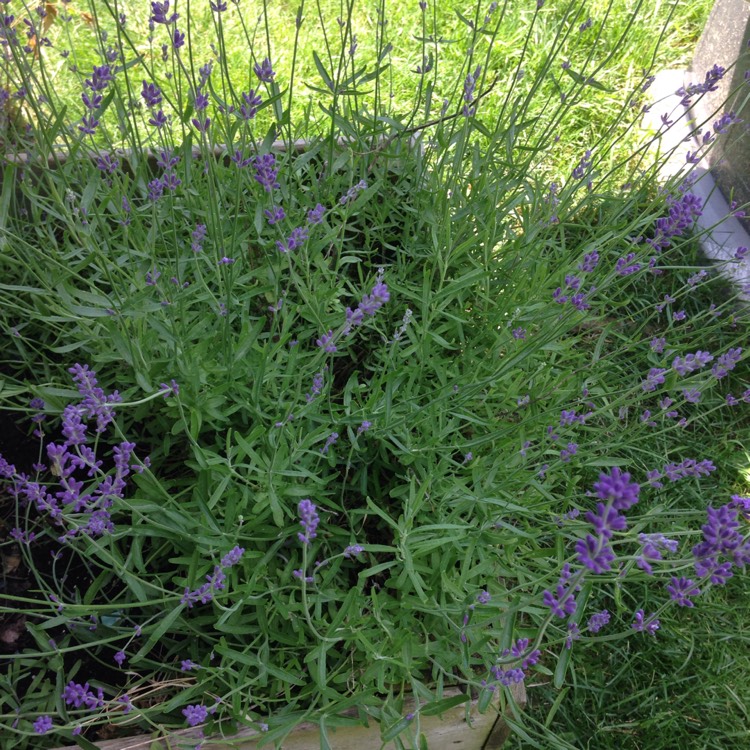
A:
[(720, 232)]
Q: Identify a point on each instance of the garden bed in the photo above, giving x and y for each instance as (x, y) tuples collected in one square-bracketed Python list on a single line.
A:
[(321, 427)]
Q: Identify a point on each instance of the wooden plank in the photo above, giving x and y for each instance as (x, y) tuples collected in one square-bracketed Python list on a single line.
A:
[(450, 731)]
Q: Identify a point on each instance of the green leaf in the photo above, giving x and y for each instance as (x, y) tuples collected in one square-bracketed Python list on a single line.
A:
[(186, 115), (465, 20), (137, 60), (485, 698), (284, 675), (562, 666), (159, 631), (323, 73), (106, 102), (237, 656), (553, 710), (440, 707), (53, 128), (395, 729), (216, 495), (586, 81), (316, 661)]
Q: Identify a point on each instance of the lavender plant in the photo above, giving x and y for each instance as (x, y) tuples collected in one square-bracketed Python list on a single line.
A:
[(396, 409)]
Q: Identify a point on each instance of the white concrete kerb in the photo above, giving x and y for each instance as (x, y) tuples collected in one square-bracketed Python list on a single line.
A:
[(720, 232)]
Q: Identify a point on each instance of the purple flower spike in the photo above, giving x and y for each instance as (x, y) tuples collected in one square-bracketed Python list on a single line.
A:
[(649, 626), (77, 695), (170, 389), (264, 71), (266, 172), (618, 488), (249, 107), (606, 520), (353, 192), (330, 440), (201, 101), (296, 238), (274, 215), (726, 362), (299, 573), (720, 534), (151, 94), (681, 589), (598, 621), (159, 120), (232, 557), (655, 378), (371, 303), (43, 724), (469, 87), (309, 520), (201, 125), (317, 386), (562, 603), (195, 714), (590, 261), (178, 39), (159, 13), (326, 342), (595, 554), (315, 215)]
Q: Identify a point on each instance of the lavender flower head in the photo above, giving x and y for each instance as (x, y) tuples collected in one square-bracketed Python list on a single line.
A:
[(352, 193), (232, 557), (43, 724), (327, 342), (372, 302), (595, 554), (309, 520), (315, 215), (264, 71), (159, 13), (249, 108), (95, 403), (598, 621), (618, 488), (681, 590), (469, 87), (562, 602), (649, 626), (330, 440), (195, 714), (266, 172), (77, 695)]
